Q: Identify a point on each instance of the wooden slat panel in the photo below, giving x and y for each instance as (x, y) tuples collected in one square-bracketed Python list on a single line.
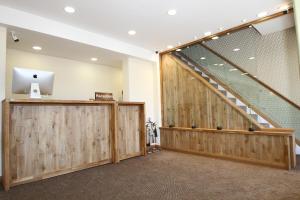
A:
[(50, 138), (271, 150), (131, 130), (187, 100)]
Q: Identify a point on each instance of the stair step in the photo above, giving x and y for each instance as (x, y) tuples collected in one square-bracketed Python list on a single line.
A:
[(206, 78), (232, 99), (223, 92), (215, 85), (254, 116), (266, 125), (244, 108)]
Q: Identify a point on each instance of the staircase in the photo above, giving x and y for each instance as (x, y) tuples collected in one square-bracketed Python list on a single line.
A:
[(269, 108), (246, 108)]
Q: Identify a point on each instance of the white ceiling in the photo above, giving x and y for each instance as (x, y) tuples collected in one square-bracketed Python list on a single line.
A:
[(155, 28), (58, 47)]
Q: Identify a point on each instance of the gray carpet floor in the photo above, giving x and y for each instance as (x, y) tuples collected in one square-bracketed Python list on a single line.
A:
[(166, 176)]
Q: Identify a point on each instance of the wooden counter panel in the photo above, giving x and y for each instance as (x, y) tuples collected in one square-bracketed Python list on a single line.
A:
[(131, 130), (49, 138), (271, 150)]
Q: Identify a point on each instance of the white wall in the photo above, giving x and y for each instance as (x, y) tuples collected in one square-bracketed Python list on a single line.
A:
[(141, 84), (73, 79), (2, 81)]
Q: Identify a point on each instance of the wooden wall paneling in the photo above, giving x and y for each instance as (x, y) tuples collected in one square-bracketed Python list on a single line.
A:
[(271, 149), (188, 100)]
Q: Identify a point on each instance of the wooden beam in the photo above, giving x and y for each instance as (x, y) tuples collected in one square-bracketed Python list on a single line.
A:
[(231, 30)]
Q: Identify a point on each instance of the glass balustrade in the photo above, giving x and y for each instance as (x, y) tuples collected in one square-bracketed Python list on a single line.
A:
[(276, 108)]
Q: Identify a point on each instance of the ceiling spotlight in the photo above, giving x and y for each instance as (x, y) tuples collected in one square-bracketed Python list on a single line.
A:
[(202, 58), (250, 26), (215, 37), (170, 47), (69, 9), (251, 58), (231, 70), (262, 14), (243, 74), (236, 49), (172, 12), (94, 59), (228, 33), (216, 64), (221, 64), (244, 20), (178, 50), (132, 32), (207, 33), (221, 28), (37, 48)]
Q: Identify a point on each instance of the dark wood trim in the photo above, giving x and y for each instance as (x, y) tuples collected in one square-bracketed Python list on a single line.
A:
[(243, 132), (251, 76), (233, 92), (231, 30)]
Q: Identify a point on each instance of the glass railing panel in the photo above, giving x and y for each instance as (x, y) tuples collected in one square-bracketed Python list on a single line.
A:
[(258, 96)]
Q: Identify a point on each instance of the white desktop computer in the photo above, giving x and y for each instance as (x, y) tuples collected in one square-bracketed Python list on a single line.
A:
[(32, 82)]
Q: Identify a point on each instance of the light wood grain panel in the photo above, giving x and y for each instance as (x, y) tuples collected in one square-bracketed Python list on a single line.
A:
[(131, 130), (255, 147), (50, 138), (188, 101)]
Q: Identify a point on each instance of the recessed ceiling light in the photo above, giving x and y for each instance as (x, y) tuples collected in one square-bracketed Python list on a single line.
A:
[(262, 14), (178, 49), (37, 48), (172, 12), (69, 9), (202, 58), (244, 20), (251, 58), (207, 33), (216, 64), (170, 47), (236, 49), (215, 37), (243, 74), (250, 26), (221, 64), (284, 7), (132, 32), (231, 70), (228, 33), (221, 28), (94, 59)]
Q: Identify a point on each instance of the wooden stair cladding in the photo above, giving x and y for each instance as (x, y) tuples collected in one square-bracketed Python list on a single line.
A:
[(188, 99)]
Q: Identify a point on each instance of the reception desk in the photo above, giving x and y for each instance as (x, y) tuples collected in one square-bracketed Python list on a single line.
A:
[(46, 138)]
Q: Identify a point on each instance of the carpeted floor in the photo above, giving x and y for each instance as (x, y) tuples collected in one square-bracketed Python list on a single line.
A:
[(166, 176)]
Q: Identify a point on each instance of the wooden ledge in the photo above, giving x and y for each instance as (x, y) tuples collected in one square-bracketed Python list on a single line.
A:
[(55, 101), (278, 131)]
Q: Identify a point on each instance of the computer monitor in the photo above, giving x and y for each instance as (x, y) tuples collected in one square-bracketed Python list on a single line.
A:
[(33, 82)]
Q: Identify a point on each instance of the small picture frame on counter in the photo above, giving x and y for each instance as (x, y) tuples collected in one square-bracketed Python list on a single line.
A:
[(103, 96)]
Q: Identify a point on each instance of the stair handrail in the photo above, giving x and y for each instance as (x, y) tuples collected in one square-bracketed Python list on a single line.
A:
[(251, 76)]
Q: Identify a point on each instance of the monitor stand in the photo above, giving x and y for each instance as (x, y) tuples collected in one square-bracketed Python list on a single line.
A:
[(35, 91)]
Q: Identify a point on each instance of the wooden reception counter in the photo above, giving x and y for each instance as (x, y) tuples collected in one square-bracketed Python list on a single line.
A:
[(46, 138)]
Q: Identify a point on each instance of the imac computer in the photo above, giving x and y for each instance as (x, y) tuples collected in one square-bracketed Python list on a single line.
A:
[(33, 82)]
